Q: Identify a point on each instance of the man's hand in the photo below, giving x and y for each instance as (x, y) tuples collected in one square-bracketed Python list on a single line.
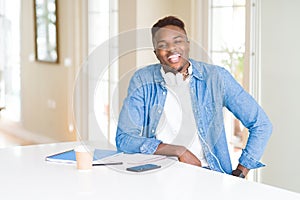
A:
[(182, 153), (189, 158)]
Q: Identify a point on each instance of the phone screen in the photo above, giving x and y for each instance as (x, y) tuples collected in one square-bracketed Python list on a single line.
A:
[(142, 168)]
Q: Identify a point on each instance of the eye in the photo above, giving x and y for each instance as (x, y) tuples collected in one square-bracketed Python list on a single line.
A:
[(178, 41), (162, 46)]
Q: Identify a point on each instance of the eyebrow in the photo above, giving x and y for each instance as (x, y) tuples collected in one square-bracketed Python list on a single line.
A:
[(174, 38)]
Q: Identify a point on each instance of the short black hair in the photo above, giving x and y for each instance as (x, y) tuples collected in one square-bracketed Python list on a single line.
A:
[(169, 20)]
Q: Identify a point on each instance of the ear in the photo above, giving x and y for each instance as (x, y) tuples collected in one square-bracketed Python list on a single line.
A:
[(154, 51), (187, 40), (188, 44)]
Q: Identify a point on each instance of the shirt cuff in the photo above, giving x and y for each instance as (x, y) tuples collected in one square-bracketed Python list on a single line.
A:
[(150, 146), (249, 162)]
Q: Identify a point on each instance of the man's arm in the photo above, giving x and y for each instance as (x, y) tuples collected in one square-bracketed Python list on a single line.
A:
[(182, 153), (245, 108)]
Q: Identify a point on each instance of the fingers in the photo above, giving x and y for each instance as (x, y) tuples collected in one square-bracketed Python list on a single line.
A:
[(189, 158)]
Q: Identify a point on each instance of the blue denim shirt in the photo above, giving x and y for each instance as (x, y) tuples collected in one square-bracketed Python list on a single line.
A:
[(212, 88)]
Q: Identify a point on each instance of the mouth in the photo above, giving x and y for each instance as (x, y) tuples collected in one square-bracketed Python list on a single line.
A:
[(174, 58)]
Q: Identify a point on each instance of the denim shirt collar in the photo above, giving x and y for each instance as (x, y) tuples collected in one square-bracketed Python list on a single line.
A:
[(158, 78), (197, 72)]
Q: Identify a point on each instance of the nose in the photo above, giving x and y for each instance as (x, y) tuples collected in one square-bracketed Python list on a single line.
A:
[(172, 47)]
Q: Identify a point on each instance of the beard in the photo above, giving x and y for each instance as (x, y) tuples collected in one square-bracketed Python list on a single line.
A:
[(167, 68)]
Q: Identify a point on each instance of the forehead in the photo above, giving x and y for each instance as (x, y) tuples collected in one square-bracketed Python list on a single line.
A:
[(169, 32)]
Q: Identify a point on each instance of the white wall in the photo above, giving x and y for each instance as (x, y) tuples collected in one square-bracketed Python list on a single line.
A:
[(280, 52), (42, 83), (145, 21)]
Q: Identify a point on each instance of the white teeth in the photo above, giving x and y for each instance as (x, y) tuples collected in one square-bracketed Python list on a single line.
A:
[(174, 58)]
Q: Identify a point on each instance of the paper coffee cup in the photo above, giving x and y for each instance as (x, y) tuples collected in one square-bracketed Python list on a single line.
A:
[(84, 158)]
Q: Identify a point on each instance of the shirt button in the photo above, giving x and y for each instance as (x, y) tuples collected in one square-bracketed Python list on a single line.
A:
[(159, 111), (164, 93), (152, 130)]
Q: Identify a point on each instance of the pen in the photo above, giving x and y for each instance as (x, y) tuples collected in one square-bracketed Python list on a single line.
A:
[(103, 164)]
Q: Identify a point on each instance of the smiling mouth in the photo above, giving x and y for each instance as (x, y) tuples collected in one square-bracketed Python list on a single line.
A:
[(174, 58)]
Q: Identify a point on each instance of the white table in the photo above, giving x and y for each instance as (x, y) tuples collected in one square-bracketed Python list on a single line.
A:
[(24, 174)]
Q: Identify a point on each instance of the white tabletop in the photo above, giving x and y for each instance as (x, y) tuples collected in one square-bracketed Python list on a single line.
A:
[(24, 174)]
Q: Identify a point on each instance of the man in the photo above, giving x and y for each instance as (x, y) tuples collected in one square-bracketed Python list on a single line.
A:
[(176, 108)]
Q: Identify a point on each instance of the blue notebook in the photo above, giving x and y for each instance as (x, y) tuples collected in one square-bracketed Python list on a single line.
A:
[(70, 157)]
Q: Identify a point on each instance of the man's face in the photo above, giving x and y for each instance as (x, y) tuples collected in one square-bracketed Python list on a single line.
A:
[(172, 48)]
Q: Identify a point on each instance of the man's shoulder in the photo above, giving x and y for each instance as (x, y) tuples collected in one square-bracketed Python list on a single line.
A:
[(150, 73), (206, 69), (148, 69)]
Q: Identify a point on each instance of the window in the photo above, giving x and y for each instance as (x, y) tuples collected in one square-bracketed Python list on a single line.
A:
[(10, 59), (227, 47), (102, 25), (227, 40)]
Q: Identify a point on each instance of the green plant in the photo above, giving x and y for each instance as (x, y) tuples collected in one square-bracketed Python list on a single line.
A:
[(235, 62)]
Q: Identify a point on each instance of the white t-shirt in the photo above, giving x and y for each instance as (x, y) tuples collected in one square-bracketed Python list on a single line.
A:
[(177, 124)]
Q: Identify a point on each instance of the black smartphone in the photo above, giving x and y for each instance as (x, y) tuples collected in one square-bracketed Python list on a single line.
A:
[(142, 168)]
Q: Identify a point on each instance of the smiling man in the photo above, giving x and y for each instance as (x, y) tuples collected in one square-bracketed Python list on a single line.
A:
[(175, 108), (171, 48)]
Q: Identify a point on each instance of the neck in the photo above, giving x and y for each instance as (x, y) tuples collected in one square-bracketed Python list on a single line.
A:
[(185, 71)]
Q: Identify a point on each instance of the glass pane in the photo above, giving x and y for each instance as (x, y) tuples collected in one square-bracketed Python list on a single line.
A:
[(46, 32), (232, 61), (102, 23), (10, 59), (218, 58), (228, 28), (228, 3), (101, 6), (239, 2), (101, 104), (228, 21), (222, 2), (98, 28)]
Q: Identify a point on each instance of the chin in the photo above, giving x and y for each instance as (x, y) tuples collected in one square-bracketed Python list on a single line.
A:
[(175, 68), (178, 67)]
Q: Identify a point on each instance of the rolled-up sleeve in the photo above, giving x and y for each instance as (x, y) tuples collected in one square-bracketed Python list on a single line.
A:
[(131, 136), (252, 116)]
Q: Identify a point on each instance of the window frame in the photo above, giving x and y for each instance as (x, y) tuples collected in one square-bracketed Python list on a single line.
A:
[(252, 71)]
